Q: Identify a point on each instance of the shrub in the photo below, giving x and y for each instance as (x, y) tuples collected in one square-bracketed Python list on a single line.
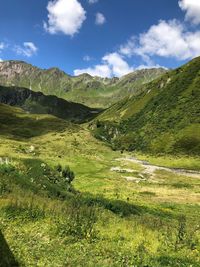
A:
[(68, 174), (59, 168), (78, 220), (6, 169), (4, 186)]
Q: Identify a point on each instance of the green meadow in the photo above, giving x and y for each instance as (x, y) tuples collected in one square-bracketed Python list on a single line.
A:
[(114, 213)]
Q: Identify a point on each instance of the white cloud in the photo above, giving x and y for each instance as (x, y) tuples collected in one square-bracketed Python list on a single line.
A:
[(112, 65), (166, 39), (144, 66), (1, 60), (98, 70), (117, 64), (192, 8), (28, 49), (93, 1), (129, 47), (2, 46), (87, 58), (100, 19), (65, 16)]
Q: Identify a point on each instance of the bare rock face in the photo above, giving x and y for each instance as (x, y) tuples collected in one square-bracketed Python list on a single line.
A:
[(11, 69)]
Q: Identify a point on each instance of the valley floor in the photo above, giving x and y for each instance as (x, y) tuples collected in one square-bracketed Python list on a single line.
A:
[(125, 213)]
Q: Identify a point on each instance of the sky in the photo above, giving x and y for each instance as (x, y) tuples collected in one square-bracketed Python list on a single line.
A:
[(101, 37)]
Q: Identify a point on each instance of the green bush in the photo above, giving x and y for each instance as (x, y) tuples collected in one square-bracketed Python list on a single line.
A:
[(6, 169), (68, 174), (78, 220)]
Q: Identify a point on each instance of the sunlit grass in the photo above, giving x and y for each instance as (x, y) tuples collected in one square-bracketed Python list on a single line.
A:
[(137, 223), (178, 162)]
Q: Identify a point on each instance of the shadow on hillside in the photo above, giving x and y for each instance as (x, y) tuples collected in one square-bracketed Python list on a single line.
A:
[(6, 256), (122, 208), (16, 127), (38, 103), (167, 260)]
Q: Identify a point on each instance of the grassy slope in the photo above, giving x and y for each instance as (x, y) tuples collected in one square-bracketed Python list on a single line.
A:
[(37, 102), (164, 118), (151, 223), (91, 91), (104, 94)]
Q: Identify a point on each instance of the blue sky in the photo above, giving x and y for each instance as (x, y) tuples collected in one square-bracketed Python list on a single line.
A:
[(102, 37)]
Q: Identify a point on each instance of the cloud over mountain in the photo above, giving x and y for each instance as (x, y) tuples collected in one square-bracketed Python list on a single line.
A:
[(113, 64), (166, 39), (28, 49)]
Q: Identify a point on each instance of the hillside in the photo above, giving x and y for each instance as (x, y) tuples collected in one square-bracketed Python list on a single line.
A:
[(163, 118), (114, 213), (37, 102), (91, 91), (100, 133)]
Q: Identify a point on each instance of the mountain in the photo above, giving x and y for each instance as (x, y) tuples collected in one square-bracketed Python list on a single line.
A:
[(99, 218), (163, 118), (16, 124), (38, 103), (85, 89)]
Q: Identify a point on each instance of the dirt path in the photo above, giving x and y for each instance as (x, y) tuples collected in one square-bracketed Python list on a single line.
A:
[(150, 169)]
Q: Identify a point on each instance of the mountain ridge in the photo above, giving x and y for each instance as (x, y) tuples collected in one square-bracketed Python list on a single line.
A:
[(38, 103), (163, 118), (86, 89)]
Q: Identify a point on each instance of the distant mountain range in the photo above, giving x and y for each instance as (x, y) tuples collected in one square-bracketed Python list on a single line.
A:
[(154, 110), (163, 118), (91, 91)]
